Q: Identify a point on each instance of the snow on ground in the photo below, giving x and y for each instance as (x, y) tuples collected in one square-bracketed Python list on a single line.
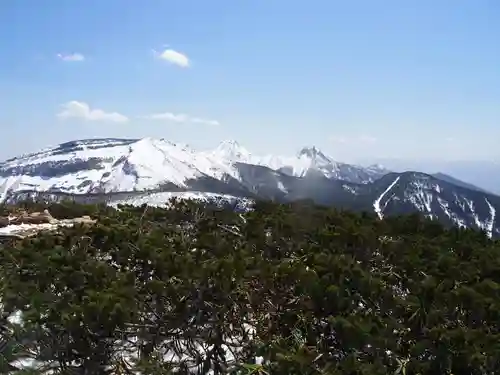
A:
[(23, 229), (174, 349), (163, 199)]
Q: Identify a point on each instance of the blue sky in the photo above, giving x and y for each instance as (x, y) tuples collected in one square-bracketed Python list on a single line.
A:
[(359, 79)]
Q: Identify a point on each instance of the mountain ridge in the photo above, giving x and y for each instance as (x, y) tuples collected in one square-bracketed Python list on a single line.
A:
[(121, 170)]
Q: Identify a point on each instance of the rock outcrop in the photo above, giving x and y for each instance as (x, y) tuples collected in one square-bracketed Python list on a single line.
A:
[(24, 224)]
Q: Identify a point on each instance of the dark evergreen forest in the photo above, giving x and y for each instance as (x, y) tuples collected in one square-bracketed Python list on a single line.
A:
[(284, 289)]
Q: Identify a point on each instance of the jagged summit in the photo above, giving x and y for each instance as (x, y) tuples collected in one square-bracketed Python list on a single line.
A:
[(316, 157), (312, 152)]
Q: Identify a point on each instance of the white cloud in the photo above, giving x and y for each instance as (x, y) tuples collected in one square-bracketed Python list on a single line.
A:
[(71, 57), (75, 109), (364, 139), (181, 118), (174, 57)]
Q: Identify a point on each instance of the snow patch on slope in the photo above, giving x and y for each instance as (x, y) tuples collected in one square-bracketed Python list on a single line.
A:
[(421, 195), (376, 203), (491, 222), (450, 214), (474, 215), (468, 209)]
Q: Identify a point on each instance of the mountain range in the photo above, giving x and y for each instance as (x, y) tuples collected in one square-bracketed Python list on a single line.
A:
[(152, 171)]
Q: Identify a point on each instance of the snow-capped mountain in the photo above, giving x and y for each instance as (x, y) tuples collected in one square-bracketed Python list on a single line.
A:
[(152, 171), (118, 165), (109, 165), (312, 160), (307, 160)]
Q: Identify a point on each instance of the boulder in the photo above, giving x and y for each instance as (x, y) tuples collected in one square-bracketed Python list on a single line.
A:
[(33, 218)]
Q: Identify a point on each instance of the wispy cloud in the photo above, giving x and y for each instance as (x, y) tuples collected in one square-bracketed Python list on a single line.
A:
[(72, 57), (337, 139), (367, 139), (362, 139), (81, 110), (173, 57), (181, 118)]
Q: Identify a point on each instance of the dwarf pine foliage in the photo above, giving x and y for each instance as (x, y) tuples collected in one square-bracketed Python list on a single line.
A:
[(283, 289)]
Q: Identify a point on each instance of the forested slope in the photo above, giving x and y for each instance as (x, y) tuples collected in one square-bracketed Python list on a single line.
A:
[(283, 289)]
